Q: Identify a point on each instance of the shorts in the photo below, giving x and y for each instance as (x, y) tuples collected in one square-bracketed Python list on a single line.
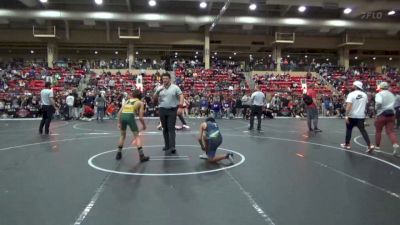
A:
[(212, 146), (128, 119)]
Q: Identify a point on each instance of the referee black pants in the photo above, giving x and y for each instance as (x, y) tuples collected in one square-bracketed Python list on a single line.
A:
[(47, 115), (255, 111), (168, 120)]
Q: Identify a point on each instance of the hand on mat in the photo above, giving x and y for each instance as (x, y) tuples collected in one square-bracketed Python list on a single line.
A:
[(201, 144)]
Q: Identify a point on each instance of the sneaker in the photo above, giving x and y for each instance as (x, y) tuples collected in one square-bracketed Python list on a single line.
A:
[(377, 148), (260, 130), (348, 147), (203, 156), (250, 129), (185, 126), (310, 130), (370, 149), (173, 150), (317, 130), (144, 158), (159, 127), (229, 156), (396, 150), (118, 156), (164, 149)]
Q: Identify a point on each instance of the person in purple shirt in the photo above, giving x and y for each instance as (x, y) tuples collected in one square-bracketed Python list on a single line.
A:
[(216, 107)]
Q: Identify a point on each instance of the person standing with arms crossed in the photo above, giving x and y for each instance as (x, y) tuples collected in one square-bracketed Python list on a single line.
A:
[(170, 100), (126, 117), (356, 104), (48, 108), (312, 109), (257, 100)]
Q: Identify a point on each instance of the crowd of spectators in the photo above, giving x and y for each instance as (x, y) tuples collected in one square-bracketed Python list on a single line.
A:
[(222, 91)]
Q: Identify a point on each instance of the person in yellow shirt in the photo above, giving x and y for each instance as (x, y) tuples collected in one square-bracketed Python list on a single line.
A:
[(126, 117)]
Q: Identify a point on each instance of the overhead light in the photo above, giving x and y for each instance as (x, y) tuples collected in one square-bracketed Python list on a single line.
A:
[(269, 55), (230, 57), (212, 57), (116, 52), (347, 10), (337, 23), (327, 59), (356, 57), (215, 53), (252, 6), (391, 13), (98, 2), (294, 21), (374, 58), (176, 56), (288, 56), (43, 1), (302, 8), (234, 53), (197, 53), (195, 56), (152, 3), (95, 52), (250, 55), (390, 59), (203, 5), (306, 56), (137, 53), (32, 51), (176, 53)]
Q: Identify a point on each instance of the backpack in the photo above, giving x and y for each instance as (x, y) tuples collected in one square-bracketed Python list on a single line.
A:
[(307, 99)]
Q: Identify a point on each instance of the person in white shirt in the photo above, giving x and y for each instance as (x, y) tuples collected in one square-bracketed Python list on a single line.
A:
[(48, 108), (257, 102), (356, 103), (139, 82), (70, 103), (385, 116), (246, 104)]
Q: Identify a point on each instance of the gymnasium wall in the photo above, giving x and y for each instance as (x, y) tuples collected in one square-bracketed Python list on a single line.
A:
[(91, 39), (97, 37)]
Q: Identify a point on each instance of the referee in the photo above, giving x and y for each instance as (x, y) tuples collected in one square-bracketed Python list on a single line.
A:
[(257, 103), (48, 107), (170, 100)]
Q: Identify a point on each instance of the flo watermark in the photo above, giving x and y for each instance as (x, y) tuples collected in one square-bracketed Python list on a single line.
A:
[(372, 16)]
